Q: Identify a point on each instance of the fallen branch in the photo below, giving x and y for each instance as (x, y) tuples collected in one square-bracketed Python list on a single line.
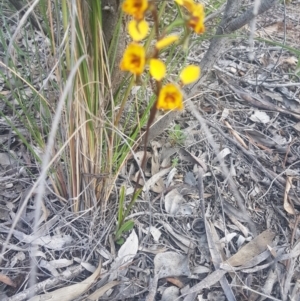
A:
[(255, 100)]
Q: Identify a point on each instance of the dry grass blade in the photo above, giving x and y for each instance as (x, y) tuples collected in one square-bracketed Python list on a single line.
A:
[(236, 135)]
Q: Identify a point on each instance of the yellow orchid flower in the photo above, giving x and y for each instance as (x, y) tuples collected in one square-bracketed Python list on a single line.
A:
[(164, 42), (157, 69), (196, 20), (134, 59), (189, 74), (169, 98), (188, 4), (135, 8), (138, 30)]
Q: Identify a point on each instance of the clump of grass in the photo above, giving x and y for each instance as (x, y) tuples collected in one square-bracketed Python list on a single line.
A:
[(176, 135)]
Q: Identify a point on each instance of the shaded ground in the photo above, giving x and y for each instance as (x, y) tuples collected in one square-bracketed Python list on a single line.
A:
[(246, 143)]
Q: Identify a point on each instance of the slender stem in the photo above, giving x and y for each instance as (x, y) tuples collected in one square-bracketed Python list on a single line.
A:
[(153, 31), (65, 18), (124, 101)]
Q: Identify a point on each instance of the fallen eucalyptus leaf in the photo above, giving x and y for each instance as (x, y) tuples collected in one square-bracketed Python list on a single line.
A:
[(252, 249), (69, 293), (171, 264), (125, 255), (260, 116), (173, 201)]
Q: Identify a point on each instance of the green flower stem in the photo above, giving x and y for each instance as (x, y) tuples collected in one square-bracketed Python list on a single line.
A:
[(175, 23), (132, 202)]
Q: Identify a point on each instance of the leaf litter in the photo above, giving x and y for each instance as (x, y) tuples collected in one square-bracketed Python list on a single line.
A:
[(180, 248)]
